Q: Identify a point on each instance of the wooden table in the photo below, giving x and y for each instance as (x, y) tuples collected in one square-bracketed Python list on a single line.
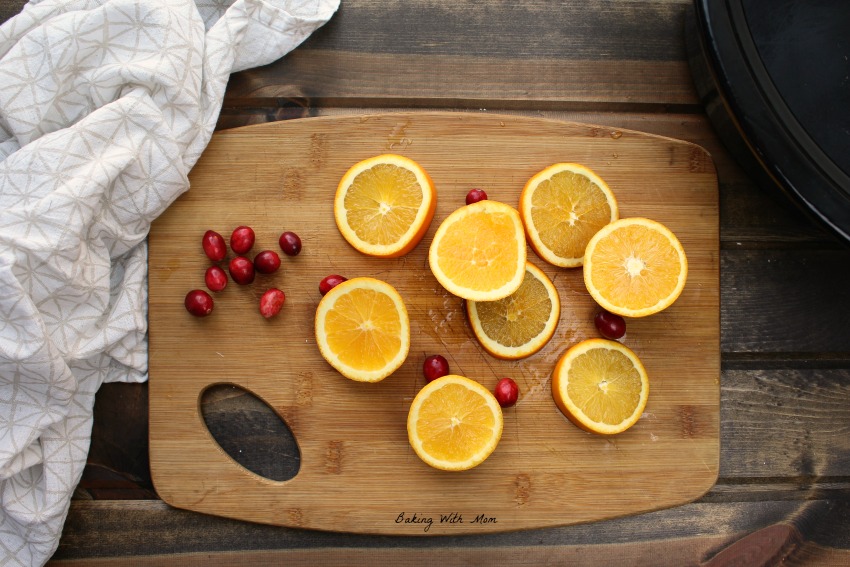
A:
[(782, 492)]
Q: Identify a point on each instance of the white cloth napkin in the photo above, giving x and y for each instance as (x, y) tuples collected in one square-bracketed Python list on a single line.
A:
[(105, 106)]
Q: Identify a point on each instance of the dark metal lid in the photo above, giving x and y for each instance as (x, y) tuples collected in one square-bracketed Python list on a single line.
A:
[(781, 70)]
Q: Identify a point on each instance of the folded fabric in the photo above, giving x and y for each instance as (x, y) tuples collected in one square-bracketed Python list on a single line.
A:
[(105, 106)]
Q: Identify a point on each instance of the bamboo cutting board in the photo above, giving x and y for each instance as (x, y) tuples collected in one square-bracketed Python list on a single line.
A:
[(358, 473)]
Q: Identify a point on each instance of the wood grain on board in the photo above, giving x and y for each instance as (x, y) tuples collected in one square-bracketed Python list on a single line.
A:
[(357, 472)]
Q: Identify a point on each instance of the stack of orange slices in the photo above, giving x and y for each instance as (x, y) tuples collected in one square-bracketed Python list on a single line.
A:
[(601, 386), (520, 324), (478, 252), (562, 207)]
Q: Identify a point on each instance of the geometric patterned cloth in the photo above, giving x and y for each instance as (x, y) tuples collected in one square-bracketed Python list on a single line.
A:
[(105, 106)]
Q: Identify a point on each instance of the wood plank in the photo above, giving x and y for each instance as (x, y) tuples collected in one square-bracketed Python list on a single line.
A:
[(786, 425), (119, 438), (697, 533), (793, 301), (246, 177), (250, 432), (456, 81), (679, 552), (511, 55), (771, 546), (644, 29), (9, 8)]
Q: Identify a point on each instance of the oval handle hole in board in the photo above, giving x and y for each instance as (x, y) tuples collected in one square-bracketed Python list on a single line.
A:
[(248, 430)]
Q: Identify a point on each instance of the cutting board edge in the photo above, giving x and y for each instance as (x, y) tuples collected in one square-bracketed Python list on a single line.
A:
[(467, 530), (494, 116)]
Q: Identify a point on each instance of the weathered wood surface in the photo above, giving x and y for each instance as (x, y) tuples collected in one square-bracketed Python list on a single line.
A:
[(502, 54), (785, 384)]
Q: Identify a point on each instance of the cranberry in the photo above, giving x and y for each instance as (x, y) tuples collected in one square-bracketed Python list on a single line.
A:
[(242, 239), (475, 195), (506, 392), (199, 303), (271, 302), (609, 325), (241, 270), (435, 366), (290, 243), (215, 278), (330, 282), (267, 262), (214, 246)]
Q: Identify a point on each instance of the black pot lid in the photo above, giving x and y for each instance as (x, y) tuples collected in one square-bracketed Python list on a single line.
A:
[(781, 69)]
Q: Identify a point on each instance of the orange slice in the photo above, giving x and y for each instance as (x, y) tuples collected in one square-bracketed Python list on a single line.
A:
[(454, 423), (562, 207), (362, 329), (635, 267), (384, 205), (601, 386), (520, 324), (478, 252)]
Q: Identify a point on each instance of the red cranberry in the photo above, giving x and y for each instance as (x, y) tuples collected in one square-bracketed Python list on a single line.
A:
[(435, 366), (271, 302), (330, 282), (290, 243), (475, 195), (215, 278), (241, 270), (242, 239), (267, 262), (609, 325), (506, 392), (214, 246), (199, 303)]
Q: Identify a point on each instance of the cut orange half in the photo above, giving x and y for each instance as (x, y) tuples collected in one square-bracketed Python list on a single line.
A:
[(454, 423), (384, 205), (520, 324), (562, 207), (478, 252), (363, 330), (635, 267), (601, 386)]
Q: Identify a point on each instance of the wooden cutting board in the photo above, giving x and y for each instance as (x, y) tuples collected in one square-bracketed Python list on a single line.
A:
[(358, 473)]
